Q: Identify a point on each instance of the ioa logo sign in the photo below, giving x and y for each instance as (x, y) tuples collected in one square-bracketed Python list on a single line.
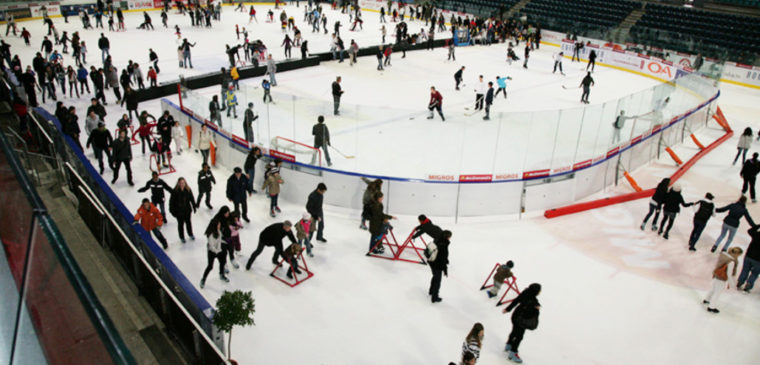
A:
[(656, 68)]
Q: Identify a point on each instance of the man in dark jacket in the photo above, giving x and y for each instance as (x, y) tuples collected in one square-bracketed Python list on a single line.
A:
[(248, 119), (99, 110), (426, 227), (672, 206), (314, 207), (130, 97), (321, 139), (104, 45), (98, 83), (272, 236), (121, 150), (100, 139), (489, 101), (237, 186), (205, 179), (164, 127), (71, 126), (337, 92), (439, 265), (250, 166), (751, 265), (378, 224), (214, 115), (458, 77), (705, 211), (749, 172), (655, 204), (157, 187)]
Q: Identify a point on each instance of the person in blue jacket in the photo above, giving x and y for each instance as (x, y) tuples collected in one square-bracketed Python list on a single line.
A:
[(82, 78), (502, 82), (736, 211)]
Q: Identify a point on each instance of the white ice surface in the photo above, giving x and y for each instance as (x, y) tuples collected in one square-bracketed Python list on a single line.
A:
[(612, 294)]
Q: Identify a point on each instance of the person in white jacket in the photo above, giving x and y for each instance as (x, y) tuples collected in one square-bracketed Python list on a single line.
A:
[(176, 135), (214, 250), (745, 142), (204, 142), (480, 92), (558, 62), (726, 264)]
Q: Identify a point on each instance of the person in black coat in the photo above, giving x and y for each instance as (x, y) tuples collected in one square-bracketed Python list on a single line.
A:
[(205, 179), (672, 206), (426, 227), (99, 110), (749, 173), (130, 97), (378, 224), (526, 308), (655, 204), (71, 126), (250, 166), (751, 264), (98, 83), (458, 77), (157, 187), (337, 92), (100, 139), (182, 206), (237, 186), (439, 265), (321, 139), (703, 214), (272, 236), (121, 150), (314, 207), (489, 101)]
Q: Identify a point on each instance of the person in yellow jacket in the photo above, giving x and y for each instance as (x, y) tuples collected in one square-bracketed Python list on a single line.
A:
[(235, 77), (232, 102)]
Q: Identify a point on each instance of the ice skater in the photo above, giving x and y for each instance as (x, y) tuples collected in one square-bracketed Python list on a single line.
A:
[(745, 142), (704, 212), (150, 219), (436, 103), (727, 262), (502, 82), (503, 272), (749, 174), (751, 264), (272, 236), (525, 316), (321, 139), (215, 250), (439, 263), (591, 60), (586, 84), (558, 62), (671, 208), (655, 204), (617, 126), (458, 77), (489, 101)]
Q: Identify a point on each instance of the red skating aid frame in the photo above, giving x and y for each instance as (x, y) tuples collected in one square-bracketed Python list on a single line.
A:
[(510, 285), (133, 139), (298, 280), (161, 171), (397, 250)]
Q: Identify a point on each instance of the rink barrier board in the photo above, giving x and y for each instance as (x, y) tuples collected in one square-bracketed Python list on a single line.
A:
[(193, 302), (476, 178), (450, 198), (600, 203)]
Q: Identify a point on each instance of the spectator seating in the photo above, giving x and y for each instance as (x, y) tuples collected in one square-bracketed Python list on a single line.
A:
[(580, 15), (736, 37), (747, 3)]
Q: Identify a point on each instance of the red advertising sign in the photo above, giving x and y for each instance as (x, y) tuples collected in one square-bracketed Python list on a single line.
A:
[(480, 178), (535, 173), (582, 164), (239, 140), (613, 151), (282, 155)]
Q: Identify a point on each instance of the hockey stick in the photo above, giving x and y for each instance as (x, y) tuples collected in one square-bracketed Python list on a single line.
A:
[(569, 88), (341, 153)]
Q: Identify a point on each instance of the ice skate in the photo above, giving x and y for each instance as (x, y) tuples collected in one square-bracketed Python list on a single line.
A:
[(643, 225), (235, 264), (514, 357), (224, 278), (271, 213), (203, 283), (277, 209), (490, 295)]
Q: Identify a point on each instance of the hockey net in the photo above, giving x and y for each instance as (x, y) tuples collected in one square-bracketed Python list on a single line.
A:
[(303, 152)]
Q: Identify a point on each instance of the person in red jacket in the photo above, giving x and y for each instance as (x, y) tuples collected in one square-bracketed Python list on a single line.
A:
[(144, 131), (26, 35), (436, 100), (150, 219), (152, 77)]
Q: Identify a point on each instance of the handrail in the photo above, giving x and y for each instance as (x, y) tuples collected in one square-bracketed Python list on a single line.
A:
[(147, 265)]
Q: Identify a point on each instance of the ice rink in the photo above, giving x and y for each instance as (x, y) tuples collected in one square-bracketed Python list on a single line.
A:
[(612, 294)]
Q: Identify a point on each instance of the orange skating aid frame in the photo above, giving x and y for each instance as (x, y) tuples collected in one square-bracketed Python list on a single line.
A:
[(298, 280), (674, 156), (511, 285), (396, 250)]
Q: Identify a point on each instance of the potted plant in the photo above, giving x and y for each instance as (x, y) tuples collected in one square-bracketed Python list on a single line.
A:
[(234, 309)]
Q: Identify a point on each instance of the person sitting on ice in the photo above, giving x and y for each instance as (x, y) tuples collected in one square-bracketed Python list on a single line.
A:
[(503, 272), (427, 227)]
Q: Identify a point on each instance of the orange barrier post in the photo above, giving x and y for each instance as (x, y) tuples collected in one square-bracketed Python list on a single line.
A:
[(696, 141), (674, 156), (631, 181), (189, 134), (213, 155)]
